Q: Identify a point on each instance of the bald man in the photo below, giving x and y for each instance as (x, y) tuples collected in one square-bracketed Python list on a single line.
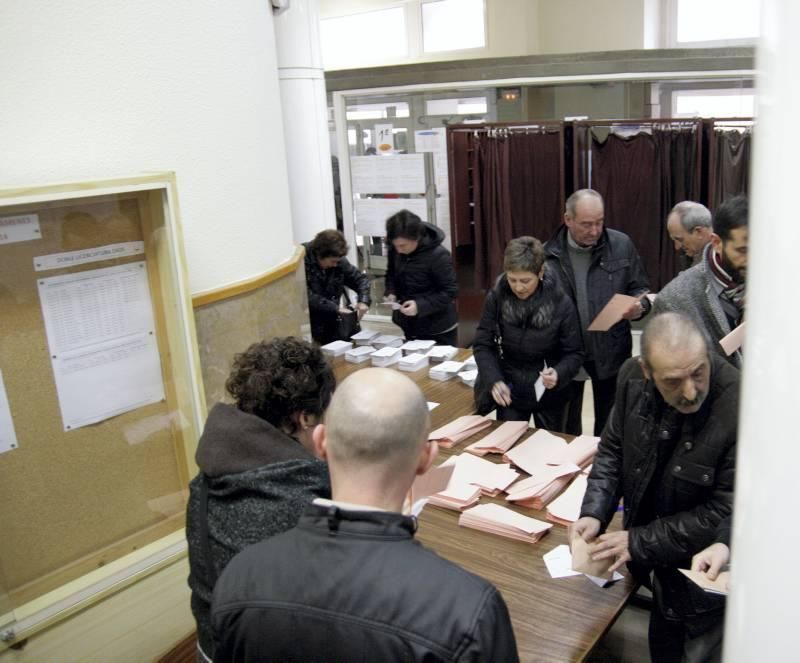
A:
[(668, 451), (349, 583)]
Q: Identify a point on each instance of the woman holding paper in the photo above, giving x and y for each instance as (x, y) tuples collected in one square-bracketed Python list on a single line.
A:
[(258, 471), (528, 344)]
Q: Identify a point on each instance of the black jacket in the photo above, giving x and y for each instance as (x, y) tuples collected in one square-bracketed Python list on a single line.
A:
[(355, 586), (615, 268), (526, 348), (695, 490), (427, 276), (325, 287), (258, 482)]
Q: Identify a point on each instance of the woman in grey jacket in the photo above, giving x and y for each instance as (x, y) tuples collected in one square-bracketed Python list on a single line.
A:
[(257, 468)]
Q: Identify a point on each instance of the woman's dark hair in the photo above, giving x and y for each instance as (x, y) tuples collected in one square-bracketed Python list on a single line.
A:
[(524, 254), (329, 244), (277, 378), (404, 224)]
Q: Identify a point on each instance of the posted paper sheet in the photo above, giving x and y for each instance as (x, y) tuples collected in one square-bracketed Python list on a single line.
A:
[(8, 437), (101, 335)]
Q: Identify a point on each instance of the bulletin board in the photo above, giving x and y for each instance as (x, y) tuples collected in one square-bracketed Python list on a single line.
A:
[(73, 499)]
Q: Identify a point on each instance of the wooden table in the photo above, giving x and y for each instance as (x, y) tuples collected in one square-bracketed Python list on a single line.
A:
[(554, 619)]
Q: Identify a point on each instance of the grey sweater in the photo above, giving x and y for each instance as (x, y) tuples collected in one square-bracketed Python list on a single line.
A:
[(259, 481)]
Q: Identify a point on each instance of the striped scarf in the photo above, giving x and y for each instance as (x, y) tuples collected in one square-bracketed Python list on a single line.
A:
[(732, 291)]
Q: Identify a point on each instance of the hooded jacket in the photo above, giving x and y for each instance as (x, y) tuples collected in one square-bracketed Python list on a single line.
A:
[(258, 482), (427, 276), (615, 268)]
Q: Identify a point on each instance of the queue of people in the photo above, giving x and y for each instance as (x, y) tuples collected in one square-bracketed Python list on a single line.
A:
[(297, 511)]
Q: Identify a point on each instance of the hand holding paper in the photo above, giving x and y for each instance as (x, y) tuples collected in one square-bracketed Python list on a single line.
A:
[(718, 586), (618, 307), (711, 560), (586, 528), (609, 547)]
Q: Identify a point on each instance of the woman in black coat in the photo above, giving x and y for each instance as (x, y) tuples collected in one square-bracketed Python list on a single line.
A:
[(529, 330)]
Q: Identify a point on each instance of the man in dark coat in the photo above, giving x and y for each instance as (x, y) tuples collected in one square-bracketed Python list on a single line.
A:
[(350, 583), (421, 278), (669, 452), (327, 274), (592, 264)]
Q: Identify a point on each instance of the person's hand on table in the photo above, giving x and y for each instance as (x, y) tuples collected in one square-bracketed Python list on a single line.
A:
[(587, 528), (711, 560), (361, 309), (612, 545), (501, 394), (549, 378), (409, 308)]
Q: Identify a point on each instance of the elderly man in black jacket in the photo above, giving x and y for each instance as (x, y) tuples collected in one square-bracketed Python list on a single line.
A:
[(592, 264), (350, 583), (668, 451), (327, 274)]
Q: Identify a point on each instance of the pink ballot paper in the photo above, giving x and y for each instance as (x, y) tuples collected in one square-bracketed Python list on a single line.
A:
[(499, 440), (491, 478), (539, 449), (457, 497), (733, 341), (459, 429), (433, 481), (496, 519), (566, 508), (612, 312)]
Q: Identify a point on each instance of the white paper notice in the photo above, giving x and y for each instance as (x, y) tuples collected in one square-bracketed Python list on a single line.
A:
[(20, 228), (399, 173), (96, 254), (8, 437), (101, 335), (371, 213)]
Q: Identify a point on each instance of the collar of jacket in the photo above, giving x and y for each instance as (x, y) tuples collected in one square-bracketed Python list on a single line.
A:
[(557, 246), (336, 521)]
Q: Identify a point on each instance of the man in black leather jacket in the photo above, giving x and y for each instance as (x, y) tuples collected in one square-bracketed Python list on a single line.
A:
[(349, 583), (669, 451), (592, 264)]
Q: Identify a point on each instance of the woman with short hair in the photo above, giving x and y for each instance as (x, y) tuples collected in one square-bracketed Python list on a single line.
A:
[(528, 331), (258, 471)]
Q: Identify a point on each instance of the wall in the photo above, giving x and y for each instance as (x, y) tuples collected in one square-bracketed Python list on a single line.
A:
[(111, 87)]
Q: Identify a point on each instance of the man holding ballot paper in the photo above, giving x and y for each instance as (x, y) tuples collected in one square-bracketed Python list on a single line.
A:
[(669, 452), (593, 263)]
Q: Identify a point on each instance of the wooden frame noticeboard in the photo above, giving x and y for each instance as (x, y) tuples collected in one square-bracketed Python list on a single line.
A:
[(101, 399)]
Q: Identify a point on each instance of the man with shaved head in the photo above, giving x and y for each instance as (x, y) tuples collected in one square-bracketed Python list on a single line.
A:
[(349, 583), (668, 451)]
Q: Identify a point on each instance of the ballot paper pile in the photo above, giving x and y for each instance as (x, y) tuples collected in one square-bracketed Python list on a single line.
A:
[(413, 362), (359, 354), (413, 347), (364, 337), (566, 508), (468, 377), (336, 348), (386, 341), (459, 430), (447, 370), (386, 356), (500, 520), (442, 352), (500, 440)]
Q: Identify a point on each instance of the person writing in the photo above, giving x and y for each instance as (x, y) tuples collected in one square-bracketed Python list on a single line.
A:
[(421, 278), (258, 469), (528, 331)]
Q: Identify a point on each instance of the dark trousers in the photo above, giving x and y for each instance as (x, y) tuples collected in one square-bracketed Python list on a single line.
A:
[(670, 641), (603, 392), (551, 419)]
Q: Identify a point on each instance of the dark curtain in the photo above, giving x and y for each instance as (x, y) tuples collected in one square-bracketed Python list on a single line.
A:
[(640, 178), (517, 190), (731, 165)]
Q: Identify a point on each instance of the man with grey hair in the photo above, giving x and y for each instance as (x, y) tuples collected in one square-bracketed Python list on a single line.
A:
[(669, 452), (689, 228), (593, 263), (349, 583)]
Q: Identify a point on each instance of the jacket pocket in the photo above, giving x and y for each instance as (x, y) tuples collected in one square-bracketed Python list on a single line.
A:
[(694, 473)]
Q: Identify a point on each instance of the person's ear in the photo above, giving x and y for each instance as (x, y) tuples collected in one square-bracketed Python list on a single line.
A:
[(716, 243), (645, 370), (320, 437), (427, 455)]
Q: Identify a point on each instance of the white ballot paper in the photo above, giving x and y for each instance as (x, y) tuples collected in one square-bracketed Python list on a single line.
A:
[(101, 335), (8, 437)]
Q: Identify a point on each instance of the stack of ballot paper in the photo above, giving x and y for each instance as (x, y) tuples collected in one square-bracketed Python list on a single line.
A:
[(386, 356), (470, 363), (538, 450), (456, 498), (413, 347), (491, 478), (540, 488), (580, 451), (413, 362), (499, 440), (442, 352), (445, 371), (468, 377), (336, 348), (496, 519), (364, 337), (359, 354), (459, 429), (434, 481), (386, 341), (566, 508)]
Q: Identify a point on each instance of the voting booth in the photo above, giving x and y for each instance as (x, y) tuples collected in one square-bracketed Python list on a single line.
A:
[(101, 400)]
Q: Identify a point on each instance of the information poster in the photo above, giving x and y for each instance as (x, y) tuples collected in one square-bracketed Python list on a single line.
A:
[(8, 437), (371, 213), (101, 335), (399, 173)]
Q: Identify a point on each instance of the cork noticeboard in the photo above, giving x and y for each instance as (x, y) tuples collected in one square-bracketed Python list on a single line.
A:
[(72, 501)]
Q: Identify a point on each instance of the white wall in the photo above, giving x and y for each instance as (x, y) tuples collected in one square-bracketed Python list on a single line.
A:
[(97, 88)]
